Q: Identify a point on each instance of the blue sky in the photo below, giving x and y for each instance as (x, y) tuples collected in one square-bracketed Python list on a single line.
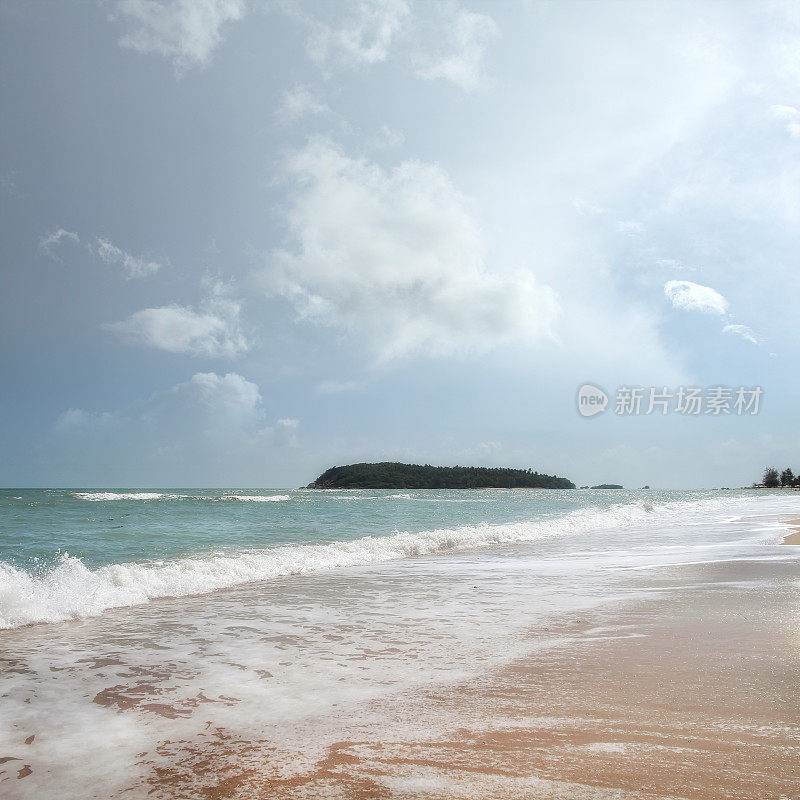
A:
[(245, 240)]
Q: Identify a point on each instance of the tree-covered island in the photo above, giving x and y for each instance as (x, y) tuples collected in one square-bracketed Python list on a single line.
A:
[(392, 475)]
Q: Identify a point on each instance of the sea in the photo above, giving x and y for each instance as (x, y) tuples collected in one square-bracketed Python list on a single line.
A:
[(135, 621)]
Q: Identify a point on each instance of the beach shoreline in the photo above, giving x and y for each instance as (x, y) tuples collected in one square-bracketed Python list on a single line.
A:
[(656, 658), (794, 537), (643, 699)]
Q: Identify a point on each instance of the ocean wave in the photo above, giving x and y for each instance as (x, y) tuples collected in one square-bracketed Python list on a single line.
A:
[(257, 498), (98, 497), (70, 590)]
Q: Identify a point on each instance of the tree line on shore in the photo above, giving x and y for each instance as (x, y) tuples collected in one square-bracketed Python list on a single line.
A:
[(773, 479)]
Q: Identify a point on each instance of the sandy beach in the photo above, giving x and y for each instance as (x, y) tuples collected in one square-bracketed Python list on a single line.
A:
[(690, 691), (645, 662), (400, 400)]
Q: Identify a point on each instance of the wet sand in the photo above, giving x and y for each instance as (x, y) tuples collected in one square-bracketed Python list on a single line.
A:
[(690, 691), (681, 683), (793, 538)]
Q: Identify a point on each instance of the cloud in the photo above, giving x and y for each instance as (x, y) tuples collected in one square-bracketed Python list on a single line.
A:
[(283, 433), (299, 102), (134, 266), (791, 116), (467, 35), (695, 297), (388, 137), (210, 430), (187, 31), (784, 112), (207, 403), (396, 260), (208, 415), (213, 331), (75, 419), (630, 226), (364, 36), (435, 41), (741, 330), (49, 241), (214, 405)]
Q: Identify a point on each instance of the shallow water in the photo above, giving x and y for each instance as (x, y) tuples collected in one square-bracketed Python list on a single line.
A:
[(307, 637), (68, 554)]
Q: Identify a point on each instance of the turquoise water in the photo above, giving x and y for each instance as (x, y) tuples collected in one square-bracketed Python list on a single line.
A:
[(135, 624), (108, 526), (74, 553)]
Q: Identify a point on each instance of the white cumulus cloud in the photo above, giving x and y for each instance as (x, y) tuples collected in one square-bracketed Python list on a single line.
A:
[(226, 401), (283, 433), (695, 297), (186, 31), (210, 420), (213, 330), (207, 404), (432, 40), (396, 259), (298, 102), (362, 33)]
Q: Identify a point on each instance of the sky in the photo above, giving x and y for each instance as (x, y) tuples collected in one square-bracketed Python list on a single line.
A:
[(246, 240)]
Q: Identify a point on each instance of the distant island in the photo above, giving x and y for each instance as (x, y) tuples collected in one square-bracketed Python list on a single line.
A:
[(392, 475), (612, 486)]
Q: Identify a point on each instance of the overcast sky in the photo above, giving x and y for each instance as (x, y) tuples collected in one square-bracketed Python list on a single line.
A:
[(245, 240)]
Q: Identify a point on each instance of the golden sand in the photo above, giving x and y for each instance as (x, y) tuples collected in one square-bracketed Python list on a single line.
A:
[(688, 693)]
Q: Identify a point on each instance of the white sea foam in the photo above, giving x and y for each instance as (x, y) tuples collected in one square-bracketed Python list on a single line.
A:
[(257, 498), (98, 497), (70, 590)]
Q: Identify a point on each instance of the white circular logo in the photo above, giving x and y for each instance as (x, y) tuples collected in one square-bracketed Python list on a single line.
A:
[(591, 400)]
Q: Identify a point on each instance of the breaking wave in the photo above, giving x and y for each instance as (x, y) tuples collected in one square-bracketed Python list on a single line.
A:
[(257, 498), (99, 497), (71, 590)]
